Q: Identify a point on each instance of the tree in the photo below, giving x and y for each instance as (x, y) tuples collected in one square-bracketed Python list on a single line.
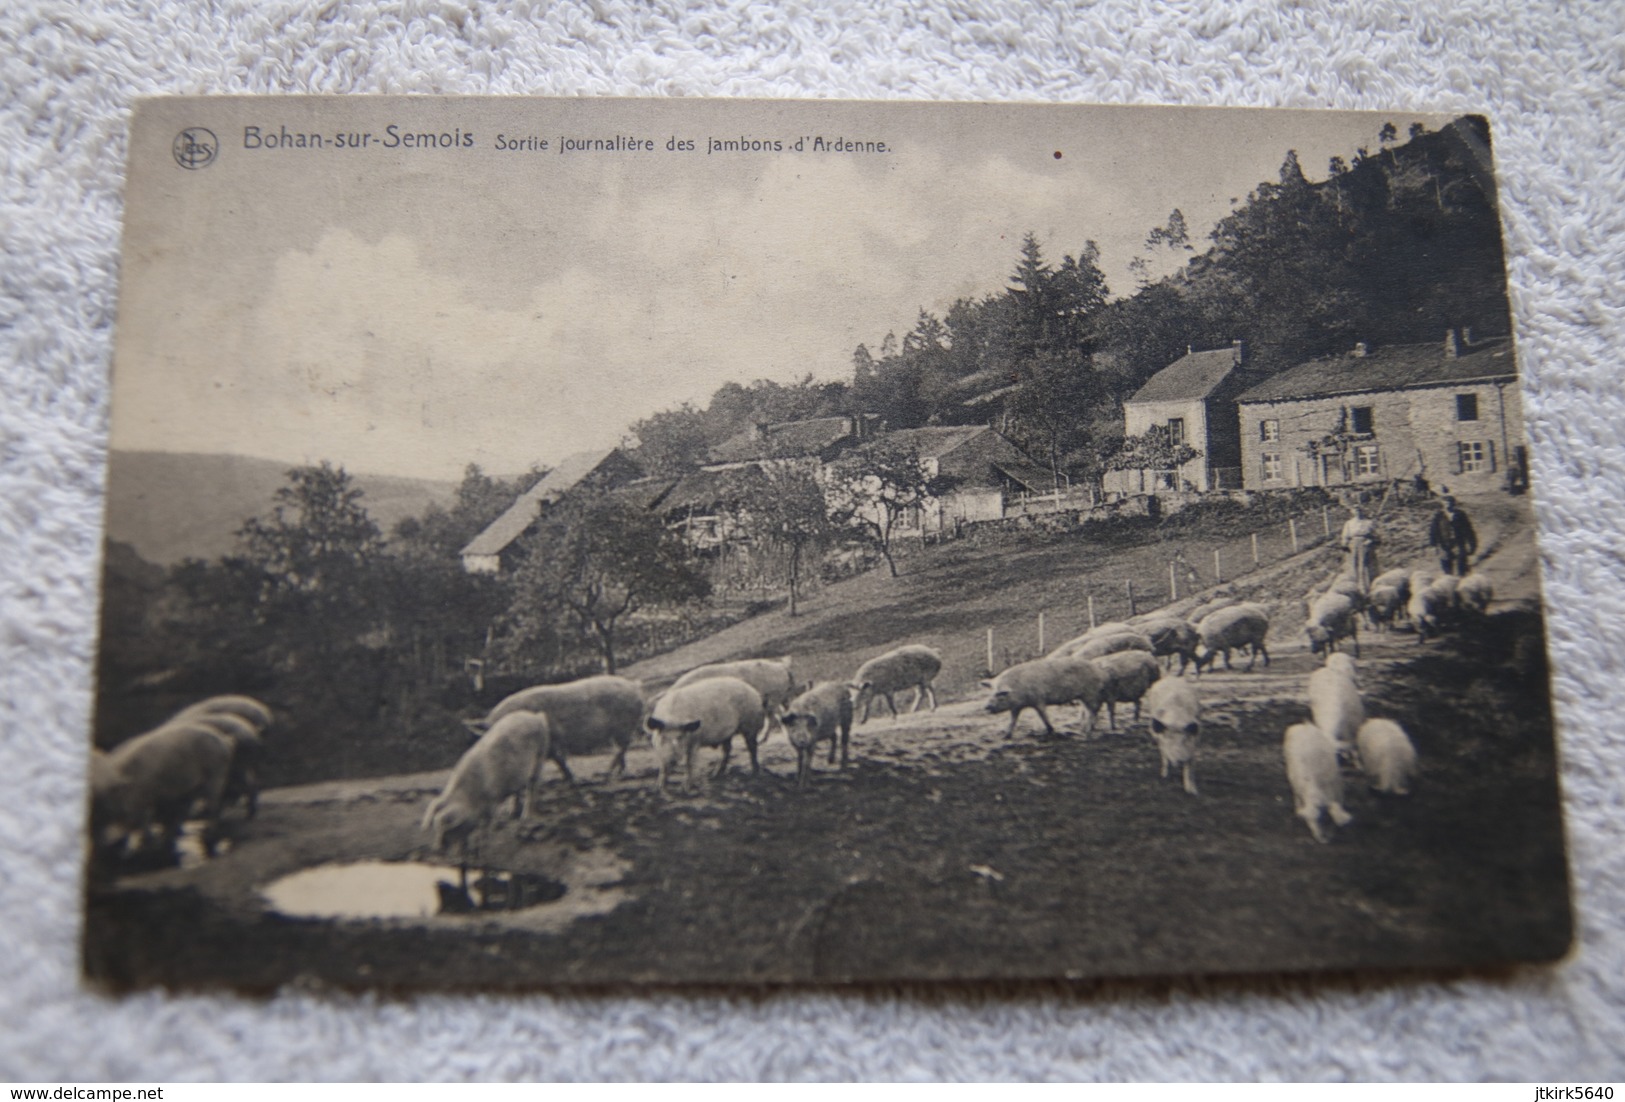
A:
[(315, 553), (1051, 410), (673, 442), (782, 506), (596, 560), (876, 486), (1152, 450)]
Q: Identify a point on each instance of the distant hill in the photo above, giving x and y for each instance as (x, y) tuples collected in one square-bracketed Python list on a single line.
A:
[(173, 506)]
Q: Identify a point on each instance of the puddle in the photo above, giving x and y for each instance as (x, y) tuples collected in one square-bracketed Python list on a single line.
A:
[(405, 889)]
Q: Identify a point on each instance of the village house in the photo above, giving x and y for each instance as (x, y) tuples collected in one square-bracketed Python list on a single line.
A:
[(1448, 412), (698, 504), (1194, 399), (812, 443), (984, 468), (497, 548)]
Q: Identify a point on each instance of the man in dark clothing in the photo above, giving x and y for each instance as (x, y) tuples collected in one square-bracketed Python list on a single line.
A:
[(1452, 535)]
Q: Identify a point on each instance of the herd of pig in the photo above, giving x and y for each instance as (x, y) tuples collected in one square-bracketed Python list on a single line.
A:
[(205, 757), (200, 760)]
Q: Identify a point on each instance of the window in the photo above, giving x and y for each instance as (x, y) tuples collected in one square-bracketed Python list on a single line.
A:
[(1176, 431), (1466, 407), (1272, 466), (1472, 455), (1360, 420), (1269, 431), (1366, 461)]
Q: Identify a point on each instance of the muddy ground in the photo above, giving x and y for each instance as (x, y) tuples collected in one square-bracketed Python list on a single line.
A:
[(943, 851)]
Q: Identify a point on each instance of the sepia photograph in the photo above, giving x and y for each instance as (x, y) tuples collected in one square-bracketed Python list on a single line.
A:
[(597, 541)]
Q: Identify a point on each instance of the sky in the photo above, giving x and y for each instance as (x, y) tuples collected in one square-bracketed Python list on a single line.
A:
[(408, 310)]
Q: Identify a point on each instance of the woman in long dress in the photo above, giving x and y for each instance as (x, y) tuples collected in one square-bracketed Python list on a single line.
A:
[(1359, 539)]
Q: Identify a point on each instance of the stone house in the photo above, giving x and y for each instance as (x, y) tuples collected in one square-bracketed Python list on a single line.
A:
[(1194, 398), (1448, 412)]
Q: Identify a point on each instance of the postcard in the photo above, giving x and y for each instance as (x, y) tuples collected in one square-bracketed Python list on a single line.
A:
[(594, 541)]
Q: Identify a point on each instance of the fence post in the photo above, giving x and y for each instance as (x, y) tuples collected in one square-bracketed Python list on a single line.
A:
[(1131, 610), (990, 670), (1040, 633), (1091, 611), (1326, 518), (1292, 525), (1173, 586), (1255, 548), (1218, 575)]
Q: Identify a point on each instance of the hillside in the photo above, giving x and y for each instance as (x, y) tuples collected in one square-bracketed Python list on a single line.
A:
[(172, 506), (950, 596)]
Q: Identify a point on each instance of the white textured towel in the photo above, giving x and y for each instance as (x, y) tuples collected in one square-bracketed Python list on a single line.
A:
[(1551, 78)]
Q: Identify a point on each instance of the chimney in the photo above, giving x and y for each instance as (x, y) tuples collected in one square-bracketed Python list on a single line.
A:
[(855, 426), (1466, 338), (1451, 347), (758, 430), (1238, 352), (1359, 350)]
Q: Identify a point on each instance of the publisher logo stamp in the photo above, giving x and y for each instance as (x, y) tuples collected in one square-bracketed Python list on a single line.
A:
[(195, 147)]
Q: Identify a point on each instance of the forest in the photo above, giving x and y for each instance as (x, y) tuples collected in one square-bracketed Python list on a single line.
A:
[(363, 639)]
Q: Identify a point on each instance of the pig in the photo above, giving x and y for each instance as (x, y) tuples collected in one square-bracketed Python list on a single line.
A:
[(1384, 604), (1336, 707), (705, 713), (1172, 636), (584, 717), (1228, 629), (1042, 682), (244, 707), (1125, 676), (1317, 785), (1207, 608), (1102, 645), (242, 781), (1333, 616), (156, 778), (1475, 592), (819, 714), (1176, 722), (770, 677), (1387, 756), (908, 667), (506, 761), (1432, 606)]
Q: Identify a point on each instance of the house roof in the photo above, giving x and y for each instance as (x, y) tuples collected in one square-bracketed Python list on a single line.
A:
[(1193, 375), (936, 441), (1035, 478), (784, 440), (703, 489), (644, 493), (1393, 368), (528, 506)]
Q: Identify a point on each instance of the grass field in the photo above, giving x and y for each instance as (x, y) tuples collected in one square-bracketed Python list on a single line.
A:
[(950, 595)]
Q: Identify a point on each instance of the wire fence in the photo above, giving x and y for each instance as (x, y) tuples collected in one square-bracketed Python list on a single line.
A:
[(1156, 575)]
